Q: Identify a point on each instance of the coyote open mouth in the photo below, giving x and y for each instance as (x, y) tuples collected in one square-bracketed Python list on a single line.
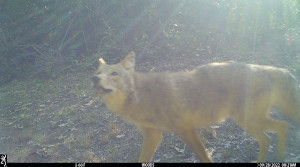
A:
[(102, 90)]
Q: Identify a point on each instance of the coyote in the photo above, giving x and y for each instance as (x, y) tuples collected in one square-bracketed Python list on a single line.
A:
[(183, 101)]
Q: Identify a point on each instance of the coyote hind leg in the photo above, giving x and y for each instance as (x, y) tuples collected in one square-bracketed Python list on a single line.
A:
[(256, 129), (281, 128)]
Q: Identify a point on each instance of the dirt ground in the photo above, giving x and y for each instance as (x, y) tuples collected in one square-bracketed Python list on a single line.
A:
[(62, 120)]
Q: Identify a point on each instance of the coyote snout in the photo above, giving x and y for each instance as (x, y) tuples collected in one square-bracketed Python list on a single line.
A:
[(97, 85), (184, 101), (95, 80)]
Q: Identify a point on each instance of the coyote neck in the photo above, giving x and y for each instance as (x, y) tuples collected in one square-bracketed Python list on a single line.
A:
[(115, 101), (120, 100)]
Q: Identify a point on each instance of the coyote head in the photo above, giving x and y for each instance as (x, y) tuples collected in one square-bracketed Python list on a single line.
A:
[(116, 78)]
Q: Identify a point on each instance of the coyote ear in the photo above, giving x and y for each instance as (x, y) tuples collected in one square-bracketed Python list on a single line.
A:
[(129, 61), (101, 62)]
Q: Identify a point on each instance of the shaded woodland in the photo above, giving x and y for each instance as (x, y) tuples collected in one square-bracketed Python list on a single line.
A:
[(45, 38)]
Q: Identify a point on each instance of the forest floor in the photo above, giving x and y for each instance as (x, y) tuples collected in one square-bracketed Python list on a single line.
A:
[(62, 120)]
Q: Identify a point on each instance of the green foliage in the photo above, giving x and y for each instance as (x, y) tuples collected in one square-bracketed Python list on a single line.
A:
[(37, 37)]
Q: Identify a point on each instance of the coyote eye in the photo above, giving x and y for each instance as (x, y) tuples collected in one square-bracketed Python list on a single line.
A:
[(114, 73)]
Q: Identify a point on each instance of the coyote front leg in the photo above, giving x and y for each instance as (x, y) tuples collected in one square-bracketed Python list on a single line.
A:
[(151, 140)]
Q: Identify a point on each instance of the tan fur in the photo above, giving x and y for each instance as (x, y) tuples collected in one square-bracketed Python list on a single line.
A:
[(181, 102)]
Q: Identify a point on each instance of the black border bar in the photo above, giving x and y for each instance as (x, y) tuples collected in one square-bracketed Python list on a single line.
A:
[(268, 164)]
